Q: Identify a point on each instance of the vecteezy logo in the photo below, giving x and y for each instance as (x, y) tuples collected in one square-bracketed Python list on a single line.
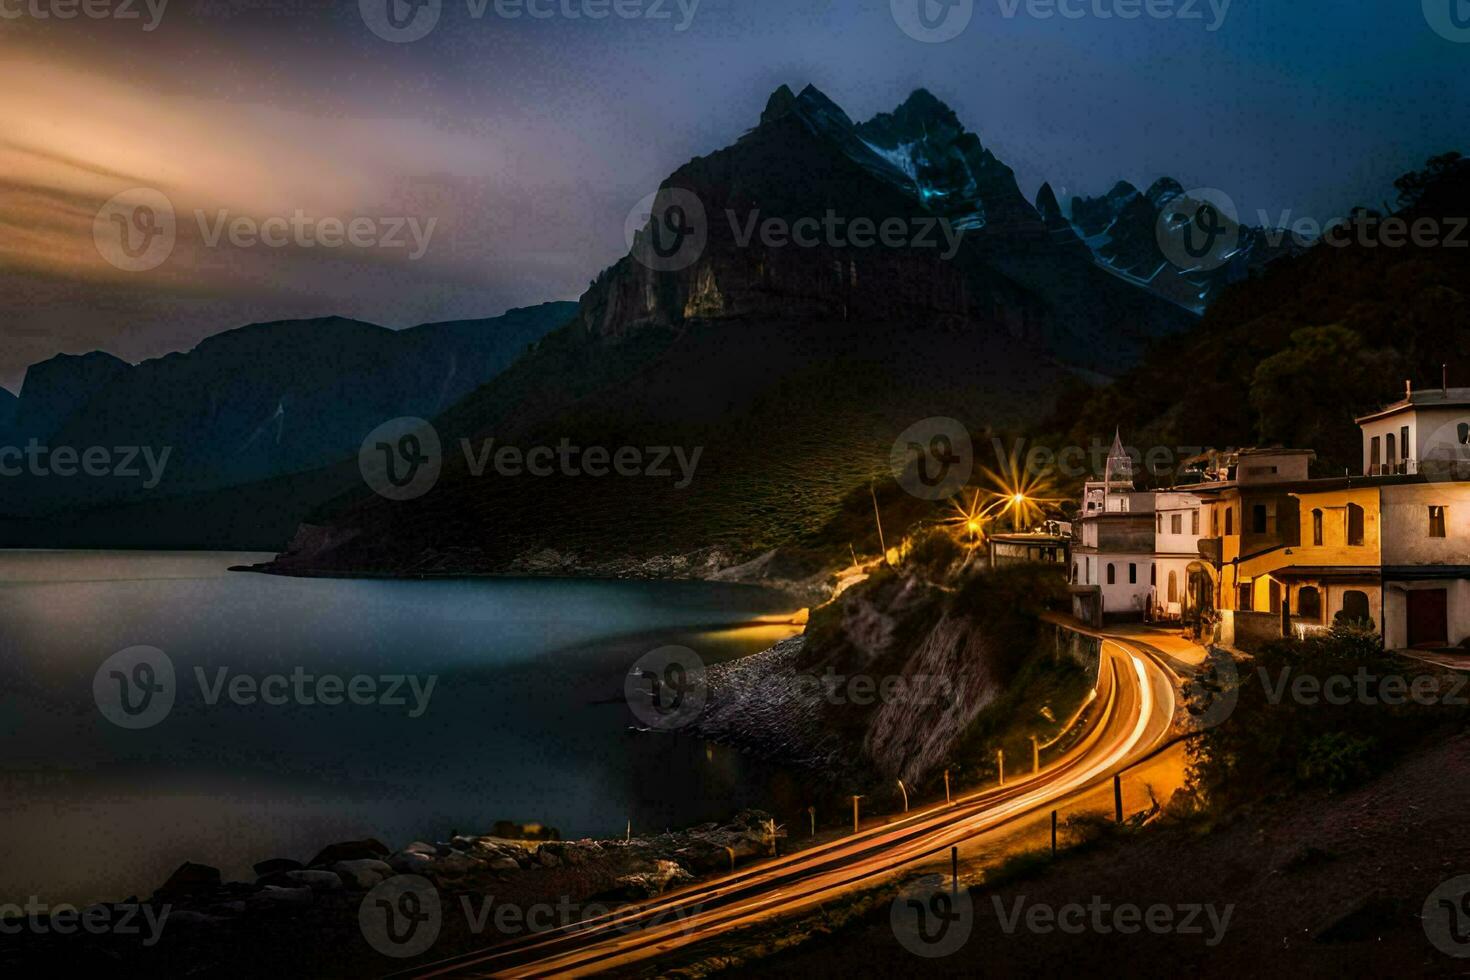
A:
[(1198, 230), (400, 21), (667, 230), (401, 459), (1445, 455), (933, 459), (1449, 18), (666, 688), (932, 21), (136, 230), (1446, 917), (932, 917), (134, 688), (401, 916)]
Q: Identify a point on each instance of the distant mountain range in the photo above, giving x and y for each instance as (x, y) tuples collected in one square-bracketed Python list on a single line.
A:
[(1121, 229), (252, 403)]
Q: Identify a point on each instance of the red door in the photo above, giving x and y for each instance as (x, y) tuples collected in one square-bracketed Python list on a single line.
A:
[(1428, 617)]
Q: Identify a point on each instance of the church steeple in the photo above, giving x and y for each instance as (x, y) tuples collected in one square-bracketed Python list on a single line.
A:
[(1119, 470)]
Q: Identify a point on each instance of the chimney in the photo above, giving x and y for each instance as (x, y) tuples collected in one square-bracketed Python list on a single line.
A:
[(1408, 389)]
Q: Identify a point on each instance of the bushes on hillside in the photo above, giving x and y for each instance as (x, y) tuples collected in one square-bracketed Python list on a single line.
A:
[(1326, 711)]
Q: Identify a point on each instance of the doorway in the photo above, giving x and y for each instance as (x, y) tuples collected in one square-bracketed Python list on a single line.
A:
[(1428, 617)]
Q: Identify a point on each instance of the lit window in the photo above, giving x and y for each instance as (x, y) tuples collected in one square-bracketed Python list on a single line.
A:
[(1436, 522)]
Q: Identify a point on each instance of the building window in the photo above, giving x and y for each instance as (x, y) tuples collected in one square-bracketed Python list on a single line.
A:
[(1273, 593), (1077, 572), (1229, 520), (1246, 588), (1309, 603), (1132, 573), (1194, 523), (1158, 523), (1214, 522), (1176, 523), (1436, 522), (1354, 607), (1173, 587), (1112, 574), (1404, 445), (1373, 456), (1390, 458), (1153, 575), (1258, 518), (1354, 525), (1317, 528)]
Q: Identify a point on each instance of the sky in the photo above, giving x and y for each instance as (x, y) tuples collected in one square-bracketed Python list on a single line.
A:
[(303, 154)]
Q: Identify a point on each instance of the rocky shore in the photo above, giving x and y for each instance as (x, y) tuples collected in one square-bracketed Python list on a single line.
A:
[(757, 704), (304, 916), (308, 557)]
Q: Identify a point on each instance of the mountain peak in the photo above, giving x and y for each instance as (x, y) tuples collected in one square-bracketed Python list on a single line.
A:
[(1046, 203), (779, 104)]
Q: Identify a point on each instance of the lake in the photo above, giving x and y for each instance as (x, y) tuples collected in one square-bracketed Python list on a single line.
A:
[(525, 720)]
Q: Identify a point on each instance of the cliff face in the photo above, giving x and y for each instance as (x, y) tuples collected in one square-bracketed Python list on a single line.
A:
[(887, 682), (977, 249)]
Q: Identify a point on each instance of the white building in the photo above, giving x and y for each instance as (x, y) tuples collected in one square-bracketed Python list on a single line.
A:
[(1133, 549), (1424, 524), (1177, 533), (1427, 431), (1112, 557)]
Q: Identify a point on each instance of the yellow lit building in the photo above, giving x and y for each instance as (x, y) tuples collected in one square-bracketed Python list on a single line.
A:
[(1391, 547)]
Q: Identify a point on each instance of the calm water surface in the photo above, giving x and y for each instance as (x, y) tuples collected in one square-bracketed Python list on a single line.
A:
[(525, 722)]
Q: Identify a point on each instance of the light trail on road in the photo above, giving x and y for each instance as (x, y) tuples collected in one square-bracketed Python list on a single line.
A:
[(1135, 720)]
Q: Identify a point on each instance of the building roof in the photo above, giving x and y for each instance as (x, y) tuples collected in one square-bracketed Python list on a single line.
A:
[(1334, 572), (1318, 485), (1425, 398)]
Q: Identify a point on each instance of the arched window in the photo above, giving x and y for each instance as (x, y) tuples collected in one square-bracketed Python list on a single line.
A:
[(1317, 528), (1112, 574), (1354, 607), (1173, 587), (1354, 525), (1309, 603)]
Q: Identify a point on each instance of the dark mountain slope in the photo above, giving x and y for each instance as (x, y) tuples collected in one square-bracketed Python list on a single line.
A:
[(791, 368)]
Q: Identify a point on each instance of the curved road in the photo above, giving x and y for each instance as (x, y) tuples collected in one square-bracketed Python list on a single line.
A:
[(1138, 706)]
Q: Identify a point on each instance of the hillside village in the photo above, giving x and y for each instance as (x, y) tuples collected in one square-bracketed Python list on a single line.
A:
[(1252, 548)]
